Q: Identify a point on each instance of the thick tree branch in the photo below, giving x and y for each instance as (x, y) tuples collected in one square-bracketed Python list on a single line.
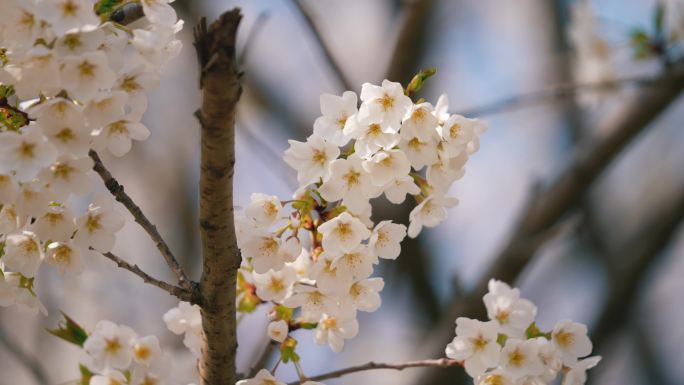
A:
[(439, 363), (179, 292), (548, 206), (117, 190), (327, 53), (221, 90)]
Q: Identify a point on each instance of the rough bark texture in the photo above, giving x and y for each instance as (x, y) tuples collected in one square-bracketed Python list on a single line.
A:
[(219, 80)]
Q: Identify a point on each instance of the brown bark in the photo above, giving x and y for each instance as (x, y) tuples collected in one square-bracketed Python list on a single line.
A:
[(219, 81)]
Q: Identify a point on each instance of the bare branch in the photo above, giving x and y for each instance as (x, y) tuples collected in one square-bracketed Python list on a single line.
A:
[(256, 29), (411, 42), (262, 361), (178, 292), (117, 190), (439, 363), (221, 90), (640, 252), (311, 24), (556, 92), (547, 207), (30, 363)]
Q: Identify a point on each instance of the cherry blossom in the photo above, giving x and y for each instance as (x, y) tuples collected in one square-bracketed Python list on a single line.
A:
[(571, 340), (334, 329), (311, 159), (475, 344), (343, 234), (263, 377), (334, 125), (23, 253), (277, 330), (110, 345), (505, 307)]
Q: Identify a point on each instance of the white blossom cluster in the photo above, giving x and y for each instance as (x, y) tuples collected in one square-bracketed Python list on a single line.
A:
[(70, 81), (509, 349), (356, 153), (119, 356), (314, 261)]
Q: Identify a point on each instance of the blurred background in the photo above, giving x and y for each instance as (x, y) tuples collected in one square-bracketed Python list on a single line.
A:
[(606, 250)]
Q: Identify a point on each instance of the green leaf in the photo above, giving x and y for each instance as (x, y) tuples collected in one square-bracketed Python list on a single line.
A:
[(501, 339), (287, 351), (309, 325), (534, 332), (70, 331), (641, 43), (283, 312), (10, 117), (105, 7), (6, 91), (418, 81), (86, 374), (3, 56)]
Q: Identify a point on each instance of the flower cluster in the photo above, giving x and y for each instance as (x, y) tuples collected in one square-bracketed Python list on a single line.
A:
[(313, 256), (119, 356), (71, 80), (186, 320), (510, 349), (386, 145)]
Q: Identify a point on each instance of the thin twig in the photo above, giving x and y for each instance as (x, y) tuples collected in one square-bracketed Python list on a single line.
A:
[(179, 292), (32, 365), (263, 358), (117, 190), (311, 24), (439, 363)]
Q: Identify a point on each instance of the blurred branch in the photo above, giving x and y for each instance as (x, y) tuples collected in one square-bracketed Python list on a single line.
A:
[(414, 261), (257, 27), (410, 43), (262, 361), (439, 363), (641, 252), (549, 205), (178, 292), (310, 22), (30, 363), (274, 161), (117, 190), (654, 367), (556, 92)]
